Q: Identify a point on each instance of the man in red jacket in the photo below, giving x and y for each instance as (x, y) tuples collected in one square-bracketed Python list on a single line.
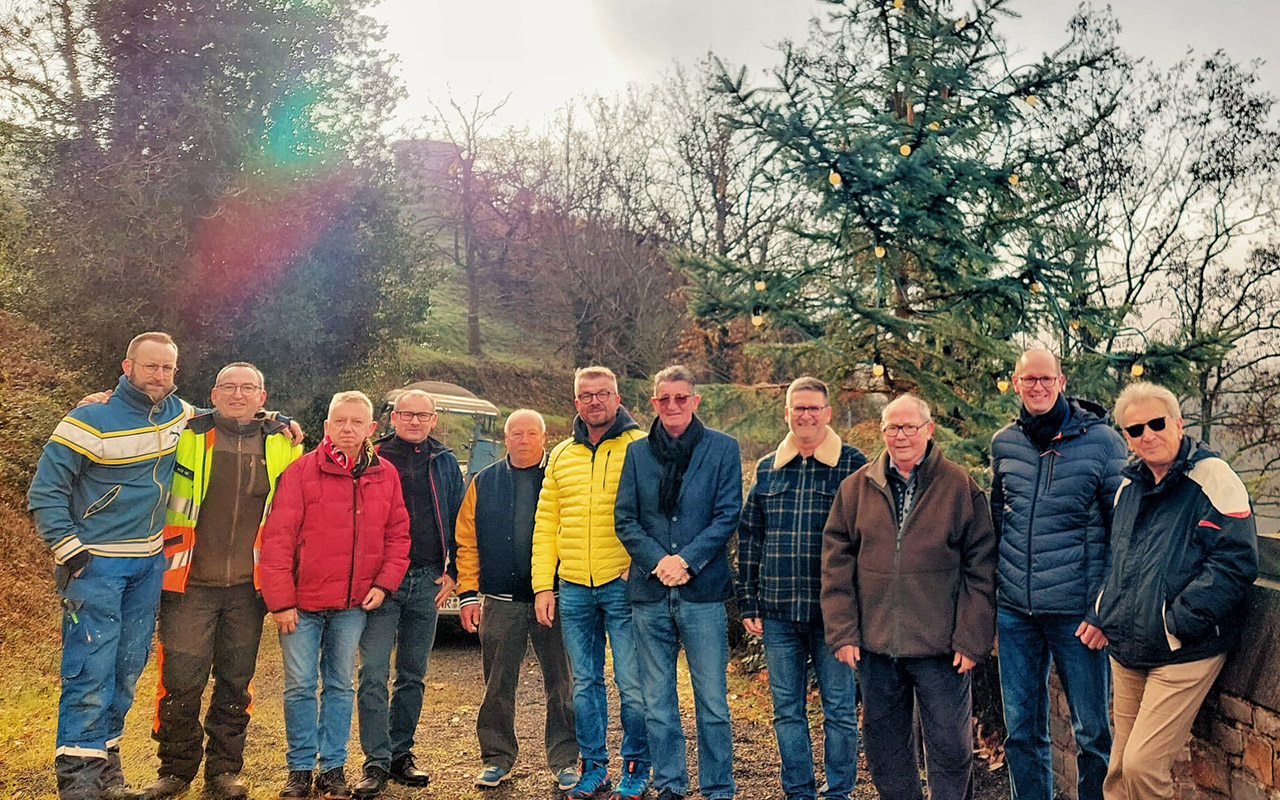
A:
[(335, 544)]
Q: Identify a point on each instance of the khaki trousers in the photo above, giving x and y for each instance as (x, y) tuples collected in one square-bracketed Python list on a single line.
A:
[(1153, 710)]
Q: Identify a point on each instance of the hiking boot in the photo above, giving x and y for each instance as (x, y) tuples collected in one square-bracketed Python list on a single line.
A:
[(165, 786), (404, 771), (633, 782), (332, 784), (121, 791), (375, 781), (298, 785), (493, 775), (226, 786), (594, 780)]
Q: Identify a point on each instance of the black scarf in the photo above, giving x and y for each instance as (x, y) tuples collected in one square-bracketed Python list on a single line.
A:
[(673, 455), (1042, 428)]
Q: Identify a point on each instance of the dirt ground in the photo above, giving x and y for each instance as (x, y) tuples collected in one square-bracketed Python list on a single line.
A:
[(446, 742)]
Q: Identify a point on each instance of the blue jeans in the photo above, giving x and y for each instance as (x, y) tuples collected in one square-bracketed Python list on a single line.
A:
[(788, 649), (323, 644), (587, 613), (1026, 642), (660, 630), (407, 620), (109, 615)]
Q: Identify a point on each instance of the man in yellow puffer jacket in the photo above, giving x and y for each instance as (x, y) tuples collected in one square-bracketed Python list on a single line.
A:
[(574, 531)]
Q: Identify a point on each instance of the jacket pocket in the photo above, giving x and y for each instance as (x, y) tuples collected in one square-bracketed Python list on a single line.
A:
[(102, 502), (1174, 643)]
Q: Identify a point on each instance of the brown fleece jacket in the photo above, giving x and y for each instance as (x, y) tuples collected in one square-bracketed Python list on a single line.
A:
[(927, 591)]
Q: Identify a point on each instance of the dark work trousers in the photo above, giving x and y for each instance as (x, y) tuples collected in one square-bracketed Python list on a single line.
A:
[(202, 629), (506, 626), (891, 690)]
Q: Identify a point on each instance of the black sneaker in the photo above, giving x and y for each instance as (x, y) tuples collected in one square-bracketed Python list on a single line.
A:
[(164, 787), (332, 784), (375, 780), (404, 771), (298, 785)]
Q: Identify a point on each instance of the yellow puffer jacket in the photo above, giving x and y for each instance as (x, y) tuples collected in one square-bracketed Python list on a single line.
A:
[(574, 523)]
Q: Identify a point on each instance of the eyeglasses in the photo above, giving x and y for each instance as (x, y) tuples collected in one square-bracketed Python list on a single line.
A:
[(603, 396), (894, 430), (420, 416), (242, 388), (800, 411), (1044, 380), (1135, 431), (152, 369), (668, 399)]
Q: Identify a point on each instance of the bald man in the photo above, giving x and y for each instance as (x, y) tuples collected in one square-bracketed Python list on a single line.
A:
[(1055, 470), (495, 551)]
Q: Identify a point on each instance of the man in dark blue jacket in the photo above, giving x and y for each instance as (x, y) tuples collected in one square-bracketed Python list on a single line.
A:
[(1055, 471), (678, 503), (431, 481)]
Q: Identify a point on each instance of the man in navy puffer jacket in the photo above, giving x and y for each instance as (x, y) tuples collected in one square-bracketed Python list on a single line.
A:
[(1055, 472)]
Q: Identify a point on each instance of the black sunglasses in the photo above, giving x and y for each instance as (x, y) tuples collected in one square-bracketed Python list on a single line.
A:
[(1135, 431)]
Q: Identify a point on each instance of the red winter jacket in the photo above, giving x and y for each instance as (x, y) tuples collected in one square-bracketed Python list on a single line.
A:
[(328, 538)]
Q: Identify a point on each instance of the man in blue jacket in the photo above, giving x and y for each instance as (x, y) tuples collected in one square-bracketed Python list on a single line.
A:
[(679, 498), (99, 497), (1055, 471)]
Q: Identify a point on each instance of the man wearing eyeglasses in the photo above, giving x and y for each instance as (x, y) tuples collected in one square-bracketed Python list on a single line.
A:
[(98, 497), (574, 537), (908, 597), (431, 481), (679, 499), (1055, 471), (779, 580), (211, 611)]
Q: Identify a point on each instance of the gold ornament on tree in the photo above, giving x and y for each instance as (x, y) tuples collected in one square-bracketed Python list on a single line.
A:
[(1002, 385), (880, 251), (905, 149), (877, 369), (1136, 370), (1013, 179), (834, 179), (759, 285)]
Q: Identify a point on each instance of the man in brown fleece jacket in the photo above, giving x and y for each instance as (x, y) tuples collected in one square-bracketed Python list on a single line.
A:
[(908, 597)]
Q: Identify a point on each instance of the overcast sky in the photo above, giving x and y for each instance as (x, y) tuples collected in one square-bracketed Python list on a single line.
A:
[(545, 52)]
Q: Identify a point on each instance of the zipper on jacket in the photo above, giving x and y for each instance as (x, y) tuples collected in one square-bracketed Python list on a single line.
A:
[(355, 526), (155, 466), (591, 576), (1031, 523), (435, 501), (235, 506)]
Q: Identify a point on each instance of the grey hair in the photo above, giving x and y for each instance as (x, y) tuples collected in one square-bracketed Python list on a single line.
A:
[(351, 397), (807, 383), (415, 393), (675, 372), (907, 399), (262, 380), (527, 412), (1144, 390)]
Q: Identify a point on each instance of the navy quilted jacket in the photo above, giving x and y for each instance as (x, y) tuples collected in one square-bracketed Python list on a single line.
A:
[(1052, 512)]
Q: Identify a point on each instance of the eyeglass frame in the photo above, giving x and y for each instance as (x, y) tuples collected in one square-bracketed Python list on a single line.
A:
[(800, 411), (420, 416), (604, 396), (152, 369), (894, 430), (242, 388), (1044, 380), (681, 400)]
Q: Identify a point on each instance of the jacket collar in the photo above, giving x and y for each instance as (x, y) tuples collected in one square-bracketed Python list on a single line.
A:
[(541, 464), (431, 445), (1189, 452), (136, 397), (621, 423), (828, 451)]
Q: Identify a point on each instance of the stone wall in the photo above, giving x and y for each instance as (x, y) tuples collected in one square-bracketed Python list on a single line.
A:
[(1235, 746)]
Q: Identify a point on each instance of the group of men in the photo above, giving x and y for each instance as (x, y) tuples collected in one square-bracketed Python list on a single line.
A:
[(890, 571)]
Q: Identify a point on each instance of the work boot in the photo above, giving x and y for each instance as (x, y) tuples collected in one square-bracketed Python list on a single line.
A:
[(226, 786), (375, 780), (332, 784), (298, 785), (164, 787), (405, 772)]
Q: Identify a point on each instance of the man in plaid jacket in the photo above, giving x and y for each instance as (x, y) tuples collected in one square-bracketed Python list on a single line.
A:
[(779, 582)]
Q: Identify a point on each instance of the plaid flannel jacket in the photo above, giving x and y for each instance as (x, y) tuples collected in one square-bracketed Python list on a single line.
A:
[(780, 531)]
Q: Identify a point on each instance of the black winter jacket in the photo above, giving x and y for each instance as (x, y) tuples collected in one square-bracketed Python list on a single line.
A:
[(432, 482), (1052, 512), (1184, 552)]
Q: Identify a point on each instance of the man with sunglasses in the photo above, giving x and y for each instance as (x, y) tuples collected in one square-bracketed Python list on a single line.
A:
[(228, 463), (1055, 471), (679, 499), (431, 482), (779, 581), (574, 537), (1185, 550)]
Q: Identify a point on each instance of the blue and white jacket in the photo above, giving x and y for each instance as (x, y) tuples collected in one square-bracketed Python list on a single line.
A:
[(103, 480)]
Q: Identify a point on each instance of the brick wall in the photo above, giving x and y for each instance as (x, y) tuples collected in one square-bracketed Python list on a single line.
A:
[(1234, 750)]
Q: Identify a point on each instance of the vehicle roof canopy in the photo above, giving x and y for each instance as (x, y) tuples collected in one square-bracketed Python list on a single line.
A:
[(448, 397)]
